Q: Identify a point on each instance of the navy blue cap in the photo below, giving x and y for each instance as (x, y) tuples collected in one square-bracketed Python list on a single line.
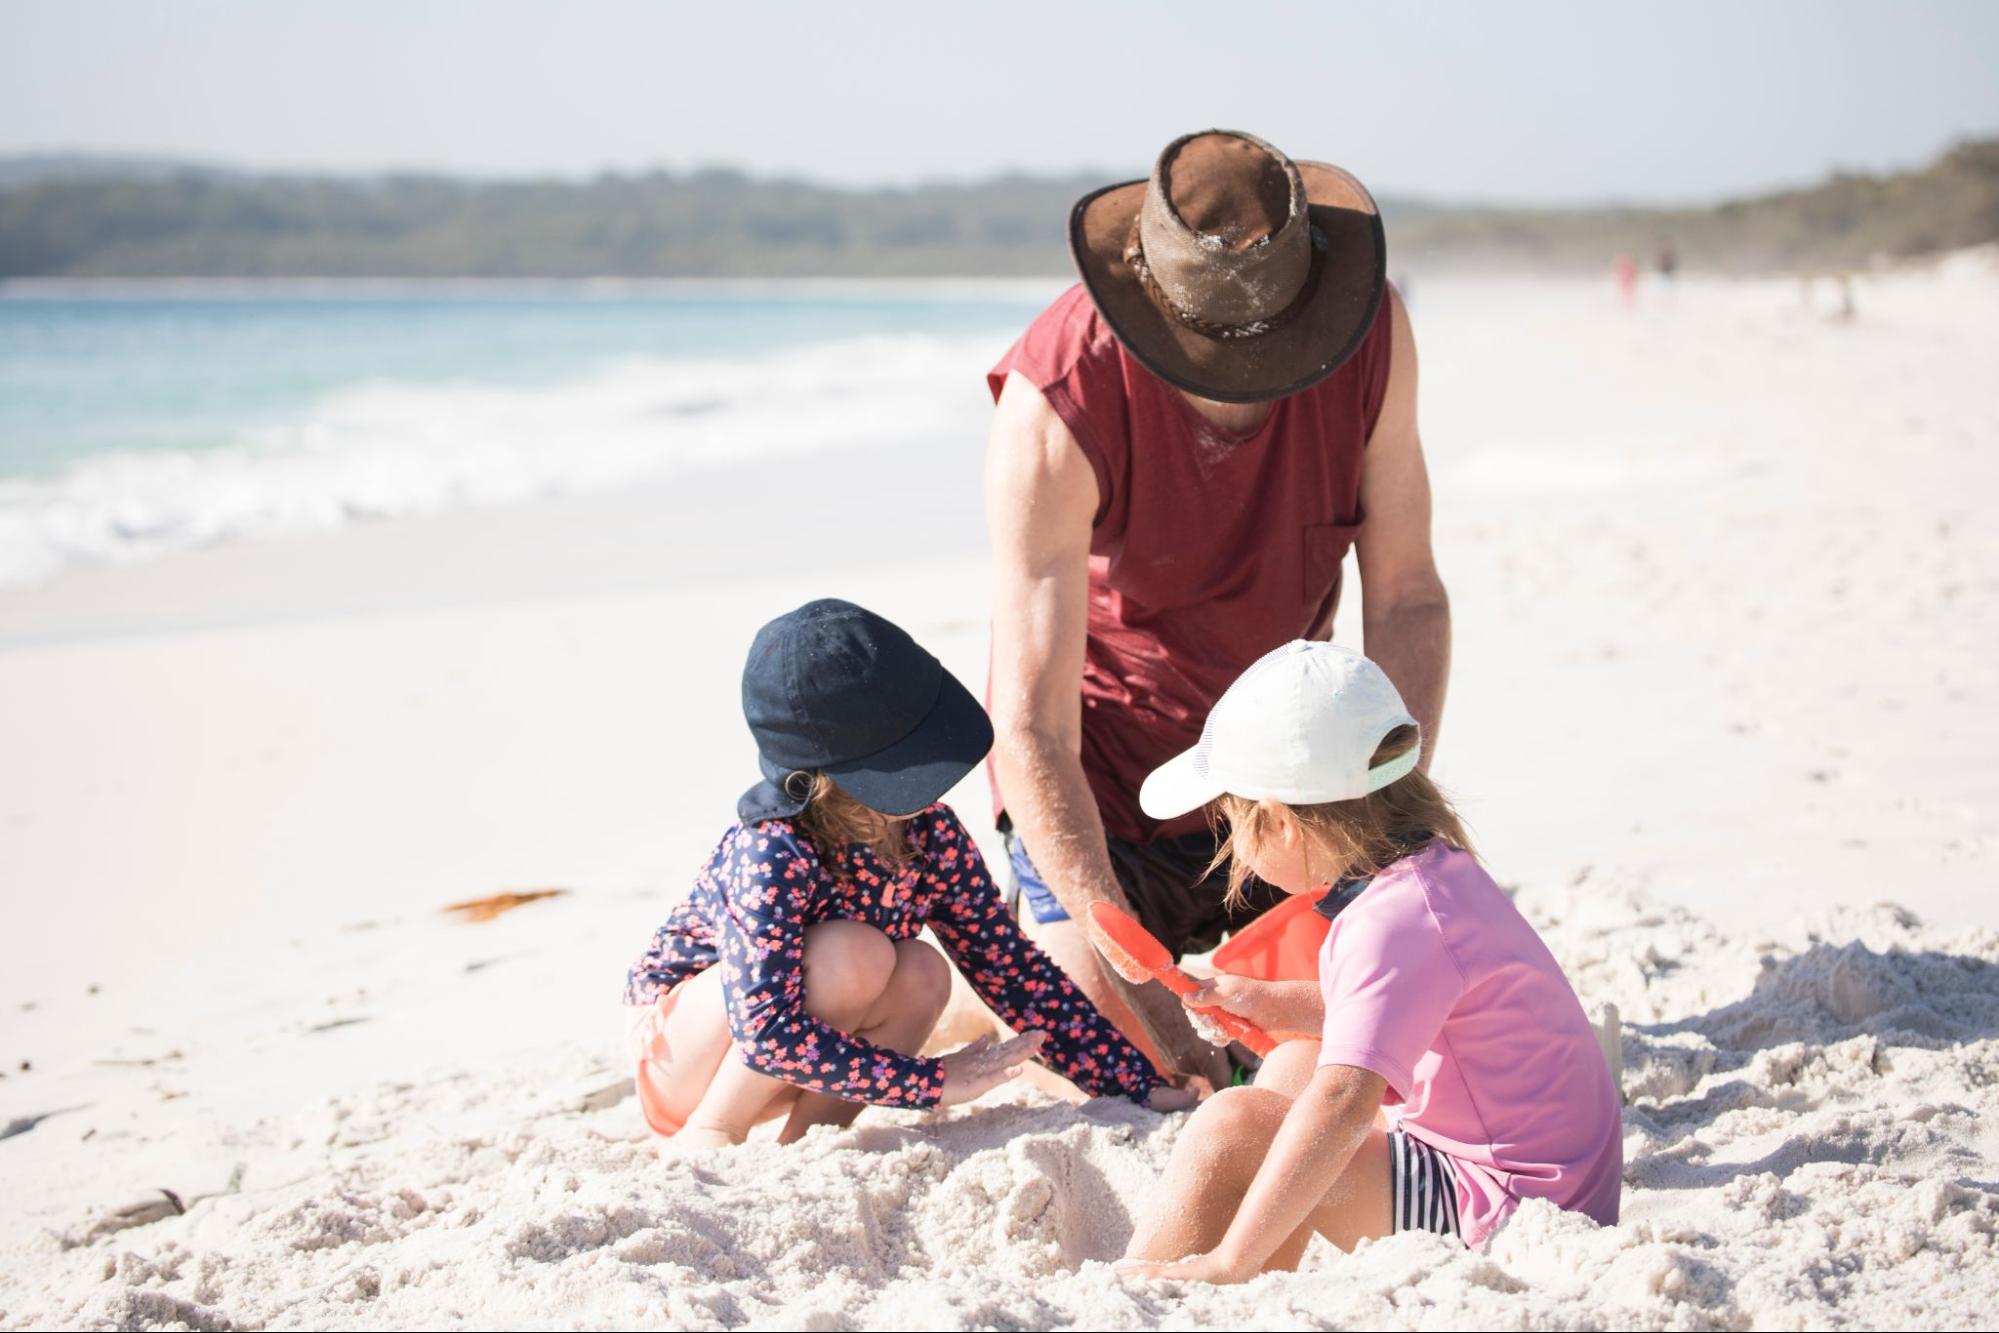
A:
[(835, 688)]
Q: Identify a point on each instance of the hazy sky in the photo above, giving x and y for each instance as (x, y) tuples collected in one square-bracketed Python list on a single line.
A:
[(1491, 101)]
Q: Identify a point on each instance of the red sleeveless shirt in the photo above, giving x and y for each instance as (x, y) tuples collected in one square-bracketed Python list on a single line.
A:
[(1209, 547)]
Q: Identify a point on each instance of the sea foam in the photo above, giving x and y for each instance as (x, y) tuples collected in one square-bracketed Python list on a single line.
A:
[(387, 449)]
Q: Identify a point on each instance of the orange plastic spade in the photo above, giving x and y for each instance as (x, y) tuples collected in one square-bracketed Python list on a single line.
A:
[(1137, 957)]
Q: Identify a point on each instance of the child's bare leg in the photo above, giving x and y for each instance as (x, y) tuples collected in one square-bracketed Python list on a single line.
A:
[(1361, 1204), (697, 1033), (1289, 1068), (847, 966), (737, 1099), (901, 1017), (1217, 1157), (1217, 1154)]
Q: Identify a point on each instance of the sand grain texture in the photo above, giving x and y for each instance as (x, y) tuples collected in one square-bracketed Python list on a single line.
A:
[(1814, 1153)]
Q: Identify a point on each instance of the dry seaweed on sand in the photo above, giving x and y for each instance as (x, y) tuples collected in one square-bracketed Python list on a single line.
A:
[(497, 904)]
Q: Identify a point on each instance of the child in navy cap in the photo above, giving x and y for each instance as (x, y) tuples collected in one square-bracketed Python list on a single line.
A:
[(791, 981)]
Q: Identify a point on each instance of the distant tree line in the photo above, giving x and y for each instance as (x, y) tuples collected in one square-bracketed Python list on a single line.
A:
[(85, 218), (1848, 222)]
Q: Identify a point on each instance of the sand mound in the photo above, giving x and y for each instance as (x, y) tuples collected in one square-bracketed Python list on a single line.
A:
[(1808, 1139)]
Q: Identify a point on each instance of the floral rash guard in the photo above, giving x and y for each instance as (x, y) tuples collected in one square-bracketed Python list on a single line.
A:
[(766, 883)]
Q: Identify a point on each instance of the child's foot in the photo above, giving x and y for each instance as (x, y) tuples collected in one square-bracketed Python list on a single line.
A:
[(695, 1139)]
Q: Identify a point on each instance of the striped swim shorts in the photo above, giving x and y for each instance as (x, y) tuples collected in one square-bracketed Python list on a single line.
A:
[(1425, 1185)]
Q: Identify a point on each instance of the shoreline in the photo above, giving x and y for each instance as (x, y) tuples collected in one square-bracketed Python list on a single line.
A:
[(708, 522)]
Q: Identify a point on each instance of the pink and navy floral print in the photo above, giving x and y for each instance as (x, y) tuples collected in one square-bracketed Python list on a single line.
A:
[(766, 883)]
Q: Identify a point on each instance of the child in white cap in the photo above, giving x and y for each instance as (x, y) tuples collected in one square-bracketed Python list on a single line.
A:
[(1440, 1070)]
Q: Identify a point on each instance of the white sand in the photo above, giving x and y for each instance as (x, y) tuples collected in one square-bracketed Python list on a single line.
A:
[(1724, 584)]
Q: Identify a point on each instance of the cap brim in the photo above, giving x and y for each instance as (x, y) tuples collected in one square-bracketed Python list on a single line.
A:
[(1287, 360), (768, 799), (915, 772), (1174, 788)]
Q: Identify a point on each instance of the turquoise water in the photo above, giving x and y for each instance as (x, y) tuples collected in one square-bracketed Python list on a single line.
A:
[(90, 376), (132, 425)]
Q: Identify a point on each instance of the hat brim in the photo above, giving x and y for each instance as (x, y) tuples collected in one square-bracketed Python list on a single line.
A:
[(1174, 788), (768, 799), (1305, 349), (901, 779), (915, 772)]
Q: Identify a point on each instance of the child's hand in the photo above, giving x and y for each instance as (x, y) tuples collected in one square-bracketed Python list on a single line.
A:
[(973, 1070), (1281, 1008)]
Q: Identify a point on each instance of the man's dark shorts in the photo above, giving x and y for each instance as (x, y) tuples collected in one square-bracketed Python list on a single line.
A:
[(1172, 892)]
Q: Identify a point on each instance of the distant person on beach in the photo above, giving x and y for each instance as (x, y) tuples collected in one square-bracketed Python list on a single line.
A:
[(1439, 1070), (1185, 448), (791, 981), (1624, 273), (1847, 310), (1844, 311)]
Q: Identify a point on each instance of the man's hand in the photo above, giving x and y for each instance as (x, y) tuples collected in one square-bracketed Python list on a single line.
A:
[(971, 1071), (1166, 1022), (1281, 1008)]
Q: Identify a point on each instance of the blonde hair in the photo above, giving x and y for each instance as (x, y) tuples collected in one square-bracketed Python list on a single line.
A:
[(1346, 839), (833, 821)]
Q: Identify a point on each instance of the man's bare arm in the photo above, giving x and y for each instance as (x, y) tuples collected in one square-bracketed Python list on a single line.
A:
[(1041, 502), (1405, 612), (1040, 499)]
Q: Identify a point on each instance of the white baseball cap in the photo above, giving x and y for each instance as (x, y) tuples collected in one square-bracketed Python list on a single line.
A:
[(1300, 726)]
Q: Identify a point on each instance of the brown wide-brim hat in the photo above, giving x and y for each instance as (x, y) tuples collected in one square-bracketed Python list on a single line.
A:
[(1234, 272)]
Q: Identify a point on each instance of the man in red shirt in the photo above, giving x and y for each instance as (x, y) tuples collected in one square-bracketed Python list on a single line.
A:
[(1186, 444)]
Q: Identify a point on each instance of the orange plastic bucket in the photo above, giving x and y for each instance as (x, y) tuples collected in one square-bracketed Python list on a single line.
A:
[(1281, 945)]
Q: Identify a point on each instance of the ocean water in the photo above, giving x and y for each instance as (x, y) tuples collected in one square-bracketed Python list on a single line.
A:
[(133, 424)]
